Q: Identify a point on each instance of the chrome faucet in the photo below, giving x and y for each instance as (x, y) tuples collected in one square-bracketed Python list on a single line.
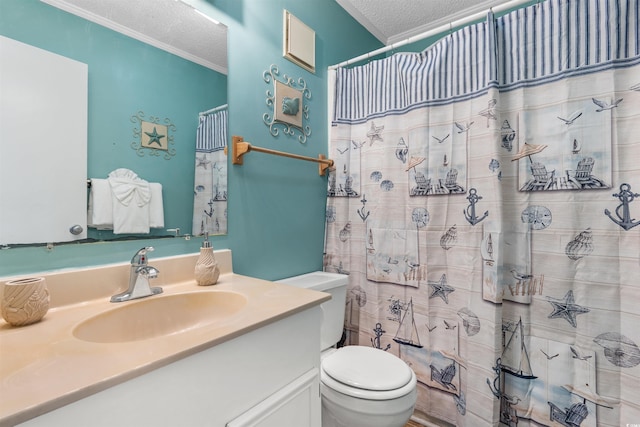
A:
[(139, 275)]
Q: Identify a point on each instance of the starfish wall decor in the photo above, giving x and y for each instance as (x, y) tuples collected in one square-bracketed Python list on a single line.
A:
[(153, 136)]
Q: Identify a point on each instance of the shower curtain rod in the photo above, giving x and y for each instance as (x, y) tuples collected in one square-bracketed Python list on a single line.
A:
[(213, 110), (435, 31)]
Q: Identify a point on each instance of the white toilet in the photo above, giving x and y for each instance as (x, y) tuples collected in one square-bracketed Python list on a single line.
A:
[(361, 386)]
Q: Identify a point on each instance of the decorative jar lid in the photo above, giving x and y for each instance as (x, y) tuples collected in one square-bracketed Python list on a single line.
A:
[(367, 368)]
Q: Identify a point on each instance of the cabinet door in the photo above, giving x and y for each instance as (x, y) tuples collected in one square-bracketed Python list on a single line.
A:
[(43, 145), (296, 404)]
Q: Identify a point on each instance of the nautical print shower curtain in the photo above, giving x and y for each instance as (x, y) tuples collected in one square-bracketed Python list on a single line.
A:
[(210, 188), (485, 203)]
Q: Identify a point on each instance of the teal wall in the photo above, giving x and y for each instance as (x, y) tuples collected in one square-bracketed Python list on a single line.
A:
[(276, 205)]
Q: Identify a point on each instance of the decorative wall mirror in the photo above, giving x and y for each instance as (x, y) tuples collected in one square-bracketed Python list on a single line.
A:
[(173, 69)]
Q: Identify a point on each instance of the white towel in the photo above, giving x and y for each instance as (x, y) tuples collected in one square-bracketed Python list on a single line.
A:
[(156, 207), (131, 197), (100, 212)]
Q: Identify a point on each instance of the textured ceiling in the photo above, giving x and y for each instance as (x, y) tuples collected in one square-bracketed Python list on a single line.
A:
[(394, 20), (175, 26), (171, 25)]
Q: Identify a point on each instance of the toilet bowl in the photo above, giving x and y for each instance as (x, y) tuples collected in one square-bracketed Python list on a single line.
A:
[(365, 386), (360, 386)]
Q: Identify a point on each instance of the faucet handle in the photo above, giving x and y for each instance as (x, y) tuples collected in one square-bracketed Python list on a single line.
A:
[(148, 271), (140, 258)]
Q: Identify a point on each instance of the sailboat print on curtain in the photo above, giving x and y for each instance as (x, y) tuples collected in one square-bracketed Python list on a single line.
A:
[(487, 250), (513, 362), (407, 333), (556, 383), (515, 356), (565, 390)]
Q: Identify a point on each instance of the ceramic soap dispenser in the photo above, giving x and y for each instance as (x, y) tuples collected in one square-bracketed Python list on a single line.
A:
[(206, 271)]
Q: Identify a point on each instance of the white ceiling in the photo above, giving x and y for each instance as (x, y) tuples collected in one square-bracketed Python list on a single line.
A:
[(391, 21), (175, 26)]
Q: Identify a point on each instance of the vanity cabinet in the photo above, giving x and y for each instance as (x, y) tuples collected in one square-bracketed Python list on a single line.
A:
[(264, 378)]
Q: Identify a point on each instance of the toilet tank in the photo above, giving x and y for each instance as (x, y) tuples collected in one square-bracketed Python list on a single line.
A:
[(332, 310)]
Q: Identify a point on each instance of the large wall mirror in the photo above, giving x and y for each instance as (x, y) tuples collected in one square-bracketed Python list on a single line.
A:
[(156, 70)]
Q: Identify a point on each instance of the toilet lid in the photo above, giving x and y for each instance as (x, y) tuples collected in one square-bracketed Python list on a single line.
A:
[(367, 368)]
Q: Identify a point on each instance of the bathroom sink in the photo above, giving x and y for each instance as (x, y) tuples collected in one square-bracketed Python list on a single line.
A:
[(160, 315)]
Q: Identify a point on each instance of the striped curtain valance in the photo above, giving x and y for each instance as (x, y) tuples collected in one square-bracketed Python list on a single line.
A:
[(458, 65), (560, 36), (212, 132), (524, 47)]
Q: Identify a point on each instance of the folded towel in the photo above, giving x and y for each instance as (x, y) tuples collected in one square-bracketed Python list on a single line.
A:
[(156, 206), (136, 204), (100, 212), (127, 187), (131, 197)]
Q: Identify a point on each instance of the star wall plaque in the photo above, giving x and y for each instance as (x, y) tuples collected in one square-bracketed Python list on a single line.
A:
[(153, 136), (156, 138)]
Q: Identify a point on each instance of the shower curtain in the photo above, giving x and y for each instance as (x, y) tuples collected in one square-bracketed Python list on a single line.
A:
[(210, 188), (484, 203)]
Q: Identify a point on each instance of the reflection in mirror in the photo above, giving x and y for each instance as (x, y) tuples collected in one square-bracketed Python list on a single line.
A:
[(164, 61), (210, 188)]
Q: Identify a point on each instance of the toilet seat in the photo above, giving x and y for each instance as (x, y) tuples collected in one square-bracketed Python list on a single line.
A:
[(367, 373)]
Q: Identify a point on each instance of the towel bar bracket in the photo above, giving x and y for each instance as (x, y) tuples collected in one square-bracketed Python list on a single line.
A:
[(238, 149)]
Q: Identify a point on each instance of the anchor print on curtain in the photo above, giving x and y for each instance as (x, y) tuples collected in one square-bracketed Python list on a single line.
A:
[(483, 205)]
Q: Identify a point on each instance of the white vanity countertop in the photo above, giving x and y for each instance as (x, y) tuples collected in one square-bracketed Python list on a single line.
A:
[(43, 366)]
